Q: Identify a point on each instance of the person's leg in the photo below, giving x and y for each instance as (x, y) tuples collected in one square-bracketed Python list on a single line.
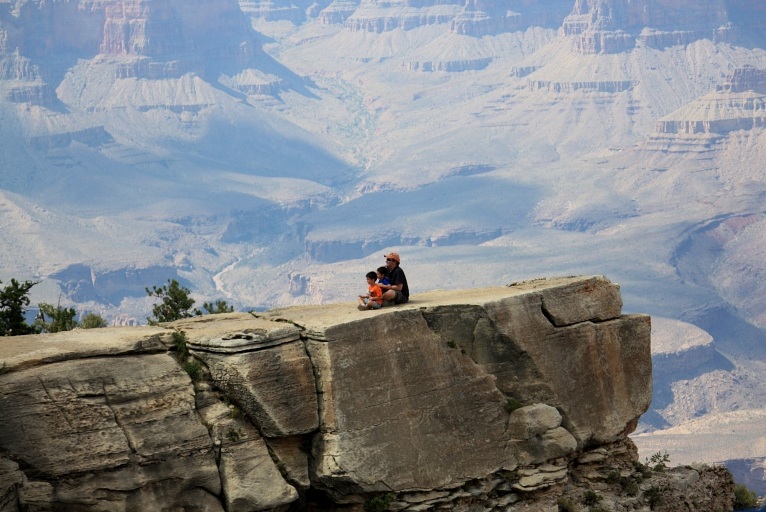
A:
[(389, 295)]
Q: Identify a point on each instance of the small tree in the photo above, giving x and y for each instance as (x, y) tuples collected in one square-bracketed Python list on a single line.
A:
[(61, 319), (219, 306), (744, 498), (92, 321), (14, 299), (175, 304)]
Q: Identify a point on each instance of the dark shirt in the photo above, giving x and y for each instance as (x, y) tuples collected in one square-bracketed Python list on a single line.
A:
[(396, 276)]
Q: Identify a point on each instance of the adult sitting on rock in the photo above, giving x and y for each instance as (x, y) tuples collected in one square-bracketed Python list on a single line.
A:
[(397, 292)]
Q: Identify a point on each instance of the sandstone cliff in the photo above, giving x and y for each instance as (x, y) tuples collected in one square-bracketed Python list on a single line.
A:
[(510, 398), (612, 26), (737, 104), (155, 39)]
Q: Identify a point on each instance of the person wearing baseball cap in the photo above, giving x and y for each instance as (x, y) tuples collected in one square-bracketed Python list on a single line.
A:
[(397, 291)]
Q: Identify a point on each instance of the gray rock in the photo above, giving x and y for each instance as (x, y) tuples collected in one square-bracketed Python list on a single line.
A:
[(399, 407), (273, 386), (10, 481), (411, 400), (532, 420), (121, 433), (262, 366)]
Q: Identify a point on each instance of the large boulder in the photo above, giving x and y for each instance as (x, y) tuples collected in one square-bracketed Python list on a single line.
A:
[(405, 392), (456, 398)]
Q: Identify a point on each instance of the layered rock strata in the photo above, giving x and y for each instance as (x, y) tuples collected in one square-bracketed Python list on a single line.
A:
[(508, 397), (472, 18), (613, 26), (152, 39), (738, 104)]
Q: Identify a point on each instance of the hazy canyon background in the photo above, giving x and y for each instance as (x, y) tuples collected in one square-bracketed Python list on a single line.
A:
[(270, 152)]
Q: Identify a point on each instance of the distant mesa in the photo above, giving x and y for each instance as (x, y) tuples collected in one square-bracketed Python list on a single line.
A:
[(614, 26), (737, 104), (338, 12), (449, 66), (153, 39), (610, 86), (471, 18)]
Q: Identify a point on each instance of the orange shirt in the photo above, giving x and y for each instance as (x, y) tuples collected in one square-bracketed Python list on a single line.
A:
[(376, 293)]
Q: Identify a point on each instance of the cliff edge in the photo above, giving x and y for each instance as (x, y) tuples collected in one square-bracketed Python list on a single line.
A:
[(513, 398)]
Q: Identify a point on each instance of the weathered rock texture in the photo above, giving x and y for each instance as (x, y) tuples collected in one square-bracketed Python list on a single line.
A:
[(612, 26), (155, 39), (469, 17), (510, 398), (737, 104)]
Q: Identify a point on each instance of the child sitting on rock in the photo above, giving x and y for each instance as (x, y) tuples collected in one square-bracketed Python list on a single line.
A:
[(374, 297), (383, 275)]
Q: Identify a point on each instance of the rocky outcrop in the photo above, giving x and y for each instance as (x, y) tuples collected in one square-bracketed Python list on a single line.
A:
[(270, 10), (613, 26), (474, 18), (148, 38), (738, 104), (515, 397), (338, 12), (450, 66), (613, 86)]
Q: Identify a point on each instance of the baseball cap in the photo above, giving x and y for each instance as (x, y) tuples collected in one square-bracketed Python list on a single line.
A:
[(394, 257)]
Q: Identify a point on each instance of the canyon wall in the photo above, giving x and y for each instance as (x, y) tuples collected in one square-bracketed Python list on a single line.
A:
[(515, 398)]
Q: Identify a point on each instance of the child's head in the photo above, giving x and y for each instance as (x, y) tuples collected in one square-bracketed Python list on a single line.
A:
[(382, 272), (371, 276)]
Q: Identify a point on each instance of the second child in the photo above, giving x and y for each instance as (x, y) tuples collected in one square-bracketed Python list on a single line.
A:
[(383, 275)]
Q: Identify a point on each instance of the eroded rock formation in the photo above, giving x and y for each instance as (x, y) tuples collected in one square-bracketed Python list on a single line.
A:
[(469, 17), (515, 397), (738, 104), (155, 39), (612, 26)]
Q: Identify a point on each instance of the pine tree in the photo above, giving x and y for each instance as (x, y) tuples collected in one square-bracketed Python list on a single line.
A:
[(14, 299), (175, 304)]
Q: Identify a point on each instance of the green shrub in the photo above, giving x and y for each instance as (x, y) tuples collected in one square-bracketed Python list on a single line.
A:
[(642, 470), (194, 369), (511, 404), (92, 321), (61, 319), (566, 505), (379, 503), (630, 486), (591, 498), (233, 435), (653, 495), (659, 461), (179, 342), (744, 498)]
